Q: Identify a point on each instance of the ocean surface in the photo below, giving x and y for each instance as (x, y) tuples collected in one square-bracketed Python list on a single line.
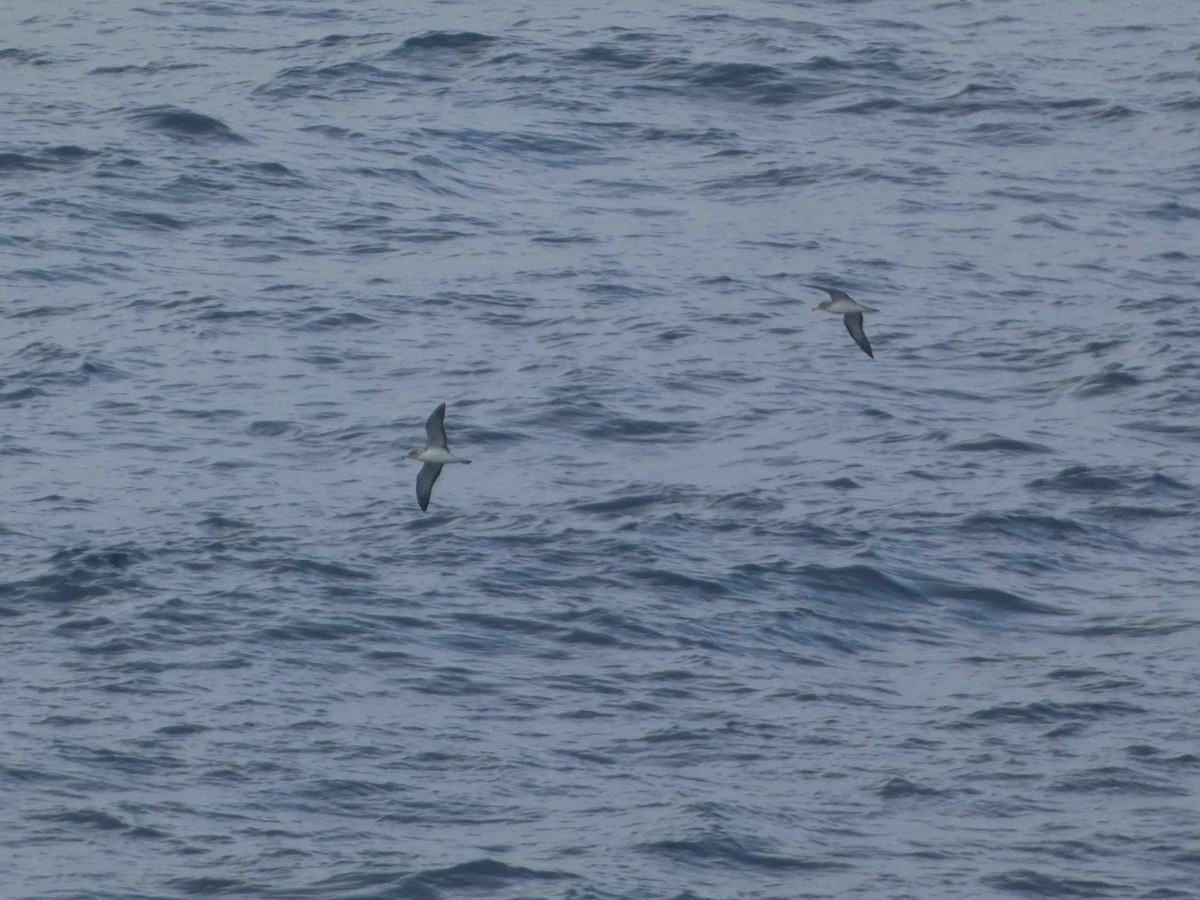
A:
[(722, 608)]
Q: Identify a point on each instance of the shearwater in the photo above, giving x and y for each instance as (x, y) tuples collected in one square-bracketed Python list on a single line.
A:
[(435, 454), (851, 312)]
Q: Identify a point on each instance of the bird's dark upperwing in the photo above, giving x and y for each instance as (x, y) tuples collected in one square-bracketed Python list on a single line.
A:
[(854, 325), (425, 478), (435, 428)]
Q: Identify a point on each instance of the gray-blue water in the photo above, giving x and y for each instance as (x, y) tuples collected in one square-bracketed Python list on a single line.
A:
[(722, 608)]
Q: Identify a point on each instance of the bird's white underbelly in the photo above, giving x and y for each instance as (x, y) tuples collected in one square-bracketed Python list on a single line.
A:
[(437, 455)]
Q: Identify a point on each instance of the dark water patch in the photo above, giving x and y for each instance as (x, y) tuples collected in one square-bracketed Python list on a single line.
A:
[(359, 222), (214, 415), (752, 82), (122, 167), (1186, 103), (1044, 219), (674, 583), (734, 75), (1082, 480), (615, 290), (1118, 780), (45, 352), (1050, 713), (721, 850), (1174, 256), (1036, 528), (66, 721), (125, 764), (213, 886), (183, 124), (305, 633), (857, 581), (842, 484), (446, 40), (78, 574), (305, 566), (149, 221), (88, 818), (18, 163), (272, 174), (86, 273), (1040, 197), (1105, 481), (626, 429), (397, 658), (976, 599), (328, 83), (96, 370), (868, 106), (1159, 484), (1075, 851), (144, 69), (480, 877), (1031, 883), (401, 175), (626, 502), (1074, 674), (978, 98), (587, 636), (1113, 112), (194, 187), (609, 625), (1173, 212), (20, 394), (218, 310), (23, 57), (1145, 753), (843, 631), (999, 444), (1112, 379), (899, 788), (20, 775), (176, 612), (343, 40), (337, 321), (394, 622), (268, 428), (611, 55), (826, 173), (675, 334), (1185, 430), (76, 626), (50, 363), (1011, 134), (70, 153), (1073, 107), (577, 237), (1127, 513), (523, 145), (344, 793), (1151, 627), (492, 622), (1159, 303), (1099, 347)]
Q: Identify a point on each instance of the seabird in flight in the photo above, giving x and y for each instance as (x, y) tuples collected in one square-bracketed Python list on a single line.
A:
[(851, 311), (435, 454)]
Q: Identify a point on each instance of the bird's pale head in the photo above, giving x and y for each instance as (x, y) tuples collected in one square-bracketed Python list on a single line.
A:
[(413, 454)]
